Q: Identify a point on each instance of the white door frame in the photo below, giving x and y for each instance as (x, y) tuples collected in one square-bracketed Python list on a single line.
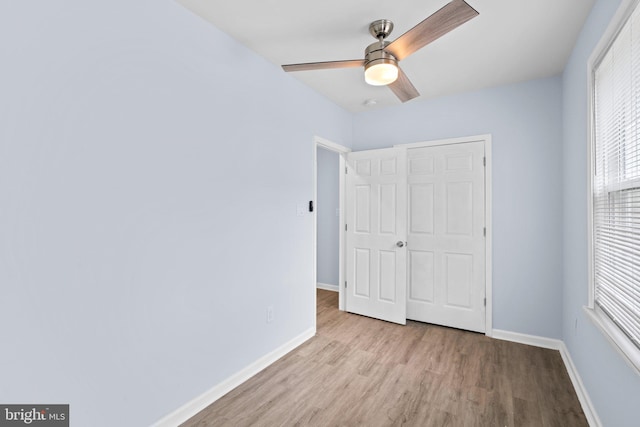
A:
[(319, 142), (488, 207)]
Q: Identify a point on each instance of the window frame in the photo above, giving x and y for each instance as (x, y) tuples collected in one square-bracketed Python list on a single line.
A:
[(624, 346)]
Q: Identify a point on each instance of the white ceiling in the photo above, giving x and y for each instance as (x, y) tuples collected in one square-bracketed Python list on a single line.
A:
[(510, 41)]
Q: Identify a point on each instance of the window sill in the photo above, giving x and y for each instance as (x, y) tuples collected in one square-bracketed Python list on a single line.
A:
[(617, 338)]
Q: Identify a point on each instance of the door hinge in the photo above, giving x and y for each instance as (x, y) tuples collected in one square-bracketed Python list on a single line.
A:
[(345, 284), (345, 227), (346, 170), (484, 231), (485, 302), (484, 161)]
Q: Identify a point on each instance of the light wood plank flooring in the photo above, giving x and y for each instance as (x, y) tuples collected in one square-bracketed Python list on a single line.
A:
[(359, 371)]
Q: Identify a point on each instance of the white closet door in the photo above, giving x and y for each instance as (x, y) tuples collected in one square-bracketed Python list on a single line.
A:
[(446, 250)]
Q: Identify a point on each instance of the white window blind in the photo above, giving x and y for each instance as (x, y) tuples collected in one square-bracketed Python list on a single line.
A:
[(616, 181)]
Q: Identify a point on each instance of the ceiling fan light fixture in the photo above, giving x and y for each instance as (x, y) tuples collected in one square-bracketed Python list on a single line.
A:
[(380, 67), (381, 72)]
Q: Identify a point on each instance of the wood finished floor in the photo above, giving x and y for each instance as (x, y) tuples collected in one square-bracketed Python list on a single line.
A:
[(359, 371)]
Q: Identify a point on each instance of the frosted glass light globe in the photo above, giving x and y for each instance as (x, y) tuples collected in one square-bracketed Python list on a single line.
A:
[(381, 74)]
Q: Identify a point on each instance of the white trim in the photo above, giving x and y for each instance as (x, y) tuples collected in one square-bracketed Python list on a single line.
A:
[(332, 146), (314, 245), (342, 270), (533, 340), (488, 194), (327, 287), (615, 25), (554, 344), (581, 391), (488, 219), (191, 408), (620, 342), (447, 141), (590, 166)]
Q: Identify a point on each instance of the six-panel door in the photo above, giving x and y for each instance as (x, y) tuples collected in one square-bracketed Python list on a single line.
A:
[(446, 251), (376, 222)]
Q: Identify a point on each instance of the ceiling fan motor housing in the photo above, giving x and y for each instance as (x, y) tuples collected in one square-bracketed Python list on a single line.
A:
[(375, 55)]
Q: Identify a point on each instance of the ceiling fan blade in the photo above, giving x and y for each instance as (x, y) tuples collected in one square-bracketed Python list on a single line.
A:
[(440, 23), (323, 65), (403, 88)]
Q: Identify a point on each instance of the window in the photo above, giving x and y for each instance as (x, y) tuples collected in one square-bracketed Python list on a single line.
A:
[(615, 185)]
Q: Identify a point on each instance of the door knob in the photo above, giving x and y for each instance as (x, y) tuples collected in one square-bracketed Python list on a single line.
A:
[(400, 244)]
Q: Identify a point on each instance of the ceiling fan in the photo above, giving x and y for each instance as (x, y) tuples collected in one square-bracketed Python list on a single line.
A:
[(381, 58)]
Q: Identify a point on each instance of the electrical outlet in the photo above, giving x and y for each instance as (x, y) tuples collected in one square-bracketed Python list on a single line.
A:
[(270, 314)]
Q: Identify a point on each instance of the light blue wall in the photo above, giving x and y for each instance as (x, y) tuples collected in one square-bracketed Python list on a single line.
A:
[(612, 385), (150, 169), (328, 222), (140, 174), (525, 121)]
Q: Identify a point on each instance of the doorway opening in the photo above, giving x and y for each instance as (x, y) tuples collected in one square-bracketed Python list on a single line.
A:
[(328, 186), (328, 220)]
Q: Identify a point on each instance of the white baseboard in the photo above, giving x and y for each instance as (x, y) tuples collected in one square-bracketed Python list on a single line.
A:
[(583, 396), (327, 287), (533, 340), (191, 408), (554, 344)]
